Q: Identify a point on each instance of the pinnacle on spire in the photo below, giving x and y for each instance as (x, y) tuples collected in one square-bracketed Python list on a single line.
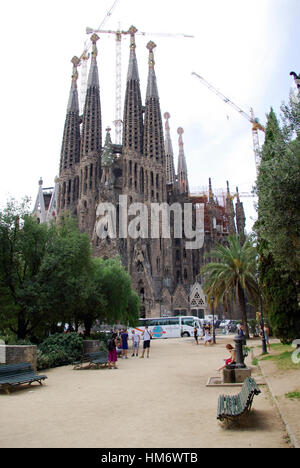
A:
[(182, 167), (151, 46), (152, 86), (93, 80), (133, 73), (170, 171), (73, 104), (228, 190)]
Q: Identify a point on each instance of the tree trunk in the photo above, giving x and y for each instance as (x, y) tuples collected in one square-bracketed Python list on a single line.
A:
[(22, 326), (242, 304), (88, 323)]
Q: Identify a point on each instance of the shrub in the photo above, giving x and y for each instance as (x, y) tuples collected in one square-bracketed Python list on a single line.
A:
[(59, 349)]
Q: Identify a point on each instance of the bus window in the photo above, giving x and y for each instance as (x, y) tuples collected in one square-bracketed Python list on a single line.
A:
[(162, 322), (174, 321)]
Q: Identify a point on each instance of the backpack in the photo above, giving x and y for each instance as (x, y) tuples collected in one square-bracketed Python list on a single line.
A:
[(110, 344)]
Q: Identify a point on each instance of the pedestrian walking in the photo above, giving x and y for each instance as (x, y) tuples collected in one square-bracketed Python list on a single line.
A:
[(267, 336), (208, 340), (135, 343), (147, 335), (124, 338), (196, 334)]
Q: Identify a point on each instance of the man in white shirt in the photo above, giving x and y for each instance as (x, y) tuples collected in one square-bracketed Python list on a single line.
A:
[(147, 335)]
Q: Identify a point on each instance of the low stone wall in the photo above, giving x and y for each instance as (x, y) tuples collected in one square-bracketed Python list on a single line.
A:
[(12, 354), (91, 346)]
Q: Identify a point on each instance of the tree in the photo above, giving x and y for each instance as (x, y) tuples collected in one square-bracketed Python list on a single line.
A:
[(48, 276), (278, 225), (122, 303), (232, 274), (22, 246), (278, 189), (65, 272)]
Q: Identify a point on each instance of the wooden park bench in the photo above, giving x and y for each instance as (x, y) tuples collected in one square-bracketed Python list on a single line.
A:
[(12, 375), (95, 359), (234, 406)]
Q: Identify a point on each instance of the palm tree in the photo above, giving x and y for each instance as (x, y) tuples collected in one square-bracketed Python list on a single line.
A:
[(232, 274)]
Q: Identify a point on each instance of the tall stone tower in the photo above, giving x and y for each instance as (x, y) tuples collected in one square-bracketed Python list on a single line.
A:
[(70, 151), (91, 145), (141, 174)]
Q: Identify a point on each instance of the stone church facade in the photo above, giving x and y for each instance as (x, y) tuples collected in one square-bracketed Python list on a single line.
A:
[(164, 273)]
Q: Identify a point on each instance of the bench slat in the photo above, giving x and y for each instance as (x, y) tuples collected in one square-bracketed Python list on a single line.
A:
[(232, 406)]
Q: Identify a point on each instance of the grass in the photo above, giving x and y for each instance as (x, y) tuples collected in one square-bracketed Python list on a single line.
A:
[(293, 395), (283, 356)]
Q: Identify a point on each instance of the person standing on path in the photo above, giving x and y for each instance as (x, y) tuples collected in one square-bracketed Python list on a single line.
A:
[(147, 335), (112, 351), (135, 343), (267, 336), (124, 338)]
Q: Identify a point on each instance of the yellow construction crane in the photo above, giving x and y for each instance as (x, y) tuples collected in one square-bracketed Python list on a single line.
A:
[(254, 121)]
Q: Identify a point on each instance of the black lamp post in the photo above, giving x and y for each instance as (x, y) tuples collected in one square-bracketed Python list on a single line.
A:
[(262, 322), (213, 314)]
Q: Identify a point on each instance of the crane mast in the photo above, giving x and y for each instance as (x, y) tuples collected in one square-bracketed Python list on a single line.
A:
[(255, 123)]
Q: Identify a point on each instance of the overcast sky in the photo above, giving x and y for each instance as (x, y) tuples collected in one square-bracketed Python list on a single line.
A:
[(245, 48)]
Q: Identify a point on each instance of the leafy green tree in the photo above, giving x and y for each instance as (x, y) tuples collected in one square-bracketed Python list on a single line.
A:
[(278, 225), (22, 246), (48, 276), (232, 274), (122, 304)]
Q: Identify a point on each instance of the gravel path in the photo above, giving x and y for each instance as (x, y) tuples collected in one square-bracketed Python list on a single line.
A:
[(158, 402)]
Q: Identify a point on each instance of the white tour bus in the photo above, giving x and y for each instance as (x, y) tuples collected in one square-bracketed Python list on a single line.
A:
[(169, 327)]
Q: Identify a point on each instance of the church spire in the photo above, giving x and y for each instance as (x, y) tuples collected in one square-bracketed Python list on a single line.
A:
[(182, 167), (93, 79), (133, 110), (169, 155), (91, 141), (71, 140), (153, 130)]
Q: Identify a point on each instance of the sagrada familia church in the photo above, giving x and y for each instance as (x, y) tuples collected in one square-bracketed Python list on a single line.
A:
[(164, 273)]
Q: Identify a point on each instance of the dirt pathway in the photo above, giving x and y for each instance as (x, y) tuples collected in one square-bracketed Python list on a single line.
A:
[(158, 402)]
